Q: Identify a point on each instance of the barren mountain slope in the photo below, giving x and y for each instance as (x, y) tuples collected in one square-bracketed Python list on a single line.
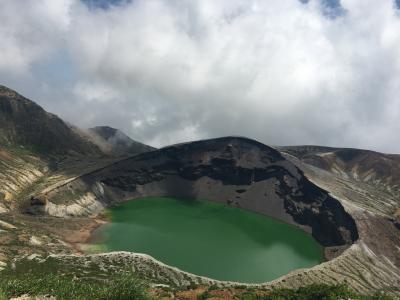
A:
[(115, 142), (38, 149), (366, 184), (24, 123), (19, 170), (372, 175)]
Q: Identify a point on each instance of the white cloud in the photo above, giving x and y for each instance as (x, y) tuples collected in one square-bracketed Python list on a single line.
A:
[(30, 30), (95, 92), (278, 71)]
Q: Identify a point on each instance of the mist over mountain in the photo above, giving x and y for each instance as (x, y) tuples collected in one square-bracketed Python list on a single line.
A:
[(116, 142), (26, 125)]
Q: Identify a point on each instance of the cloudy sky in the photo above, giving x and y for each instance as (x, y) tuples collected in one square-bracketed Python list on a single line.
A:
[(284, 72)]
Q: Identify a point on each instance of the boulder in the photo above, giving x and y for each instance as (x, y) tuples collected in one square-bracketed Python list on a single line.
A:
[(38, 201)]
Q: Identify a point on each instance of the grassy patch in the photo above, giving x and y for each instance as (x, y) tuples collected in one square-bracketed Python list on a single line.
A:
[(2, 295), (315, 292), (21, 150), (93, 278), (121, 287)]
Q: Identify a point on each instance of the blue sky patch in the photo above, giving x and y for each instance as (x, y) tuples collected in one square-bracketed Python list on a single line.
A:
[(104, 4), (331, 8)]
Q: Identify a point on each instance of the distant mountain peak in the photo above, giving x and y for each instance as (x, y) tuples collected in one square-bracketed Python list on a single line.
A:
[(105, 131), (5, 91), (116, 142), (25, 123)]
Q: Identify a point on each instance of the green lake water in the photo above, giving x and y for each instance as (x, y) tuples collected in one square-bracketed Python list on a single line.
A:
[(209, 239)]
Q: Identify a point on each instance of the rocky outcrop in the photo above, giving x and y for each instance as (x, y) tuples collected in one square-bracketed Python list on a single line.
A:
[(356, 164), (236, 171), (115, 142), (363, 182), (396, 218), (18, 172), (35, 201)]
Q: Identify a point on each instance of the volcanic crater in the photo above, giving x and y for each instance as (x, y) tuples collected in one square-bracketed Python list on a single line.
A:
[(235, 171)]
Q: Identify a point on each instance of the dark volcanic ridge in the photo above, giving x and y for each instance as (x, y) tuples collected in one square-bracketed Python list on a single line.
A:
[(114, 141), (237, 171), (24, 123)]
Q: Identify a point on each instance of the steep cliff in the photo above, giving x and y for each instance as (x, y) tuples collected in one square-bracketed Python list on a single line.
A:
[(237, 171)]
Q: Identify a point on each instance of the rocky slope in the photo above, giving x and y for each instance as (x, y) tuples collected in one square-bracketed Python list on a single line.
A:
[(24, 123), (18, 172), (369, 178), (363, 182), (39, 150), (361, 165), (115, 142)]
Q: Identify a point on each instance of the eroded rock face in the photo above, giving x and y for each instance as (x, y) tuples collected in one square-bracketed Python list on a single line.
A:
[(237, 171), (355, 164)]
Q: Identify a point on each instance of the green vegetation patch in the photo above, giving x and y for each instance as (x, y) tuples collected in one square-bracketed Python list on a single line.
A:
[(314, 292), (121, 287), (80, 278)]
